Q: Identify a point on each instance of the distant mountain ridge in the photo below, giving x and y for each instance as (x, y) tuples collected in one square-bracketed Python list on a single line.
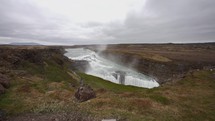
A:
[(24, 43)]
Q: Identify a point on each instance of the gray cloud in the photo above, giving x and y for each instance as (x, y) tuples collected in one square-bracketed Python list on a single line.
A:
[(24, 20), (157, 22), (169, 21)]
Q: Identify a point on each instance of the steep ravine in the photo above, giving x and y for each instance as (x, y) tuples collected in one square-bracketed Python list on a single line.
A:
[(161, 70), (43, 84), (109, 70)]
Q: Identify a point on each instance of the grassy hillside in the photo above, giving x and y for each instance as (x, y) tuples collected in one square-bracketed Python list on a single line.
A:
[(44, 90), (189, 99)]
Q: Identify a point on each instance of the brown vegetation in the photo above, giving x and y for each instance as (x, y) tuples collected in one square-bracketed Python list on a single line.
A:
[(44, 89), (166, 62)]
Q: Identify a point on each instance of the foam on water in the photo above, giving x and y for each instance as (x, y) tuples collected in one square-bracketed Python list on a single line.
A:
[(105, 69)]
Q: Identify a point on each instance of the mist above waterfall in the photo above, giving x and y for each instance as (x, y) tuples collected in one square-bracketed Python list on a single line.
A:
[(109, 70)]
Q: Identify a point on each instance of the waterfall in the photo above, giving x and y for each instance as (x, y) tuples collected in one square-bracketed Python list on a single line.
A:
[(109, 70)]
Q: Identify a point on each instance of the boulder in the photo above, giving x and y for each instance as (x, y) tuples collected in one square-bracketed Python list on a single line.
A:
[(84, 93), (4, 81)]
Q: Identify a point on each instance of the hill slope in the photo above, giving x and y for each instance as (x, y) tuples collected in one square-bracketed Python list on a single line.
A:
[(42, 85)]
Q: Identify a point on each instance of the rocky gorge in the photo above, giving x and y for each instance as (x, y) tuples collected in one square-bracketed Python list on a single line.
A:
[(40, 83), (165, 62)]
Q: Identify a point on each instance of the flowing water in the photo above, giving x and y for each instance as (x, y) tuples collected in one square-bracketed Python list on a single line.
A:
[(109, 70)]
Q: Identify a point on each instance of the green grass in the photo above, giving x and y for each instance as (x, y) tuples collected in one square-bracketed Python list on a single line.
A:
[(30, 90), (189, 99), (47, 89), (161, 99), (99, 83)]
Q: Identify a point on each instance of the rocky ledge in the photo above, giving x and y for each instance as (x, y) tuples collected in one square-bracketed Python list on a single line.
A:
[(166, 63)]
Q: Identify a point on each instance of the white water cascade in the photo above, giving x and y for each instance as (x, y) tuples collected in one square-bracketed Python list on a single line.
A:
[(109, 70)]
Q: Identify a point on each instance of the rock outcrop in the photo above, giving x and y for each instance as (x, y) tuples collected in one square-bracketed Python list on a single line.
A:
[(84, 93), (12, 58), (165, 63)]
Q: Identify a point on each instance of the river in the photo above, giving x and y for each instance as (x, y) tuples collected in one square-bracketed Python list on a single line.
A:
[(109, 70)]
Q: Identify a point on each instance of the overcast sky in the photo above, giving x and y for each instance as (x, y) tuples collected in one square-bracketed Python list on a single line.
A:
[(107, 21)]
